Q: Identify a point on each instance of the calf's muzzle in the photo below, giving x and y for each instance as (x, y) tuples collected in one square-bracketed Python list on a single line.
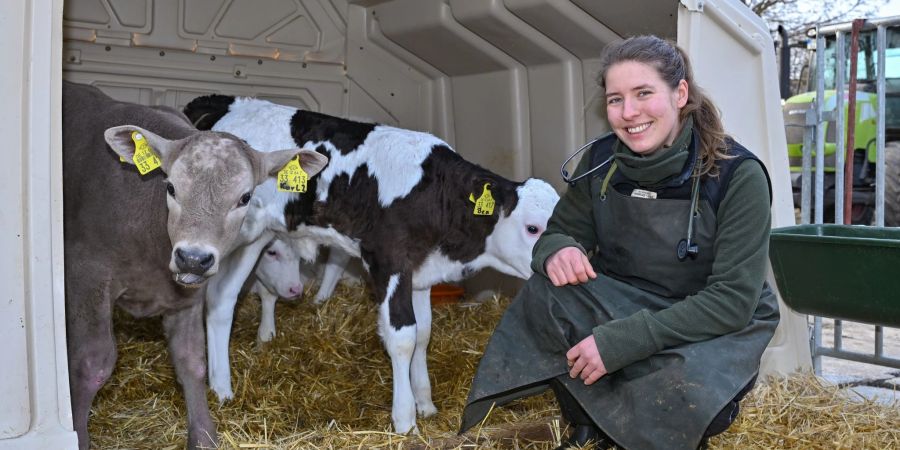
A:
[(193, 265)]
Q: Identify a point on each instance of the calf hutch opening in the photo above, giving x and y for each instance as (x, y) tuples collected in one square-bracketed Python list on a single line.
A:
[(510, 85)]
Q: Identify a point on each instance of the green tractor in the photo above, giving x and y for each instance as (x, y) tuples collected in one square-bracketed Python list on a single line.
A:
[(864, 146)]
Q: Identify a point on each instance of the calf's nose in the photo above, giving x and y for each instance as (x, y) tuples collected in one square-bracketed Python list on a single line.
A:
[(193, 260), (295, 290)]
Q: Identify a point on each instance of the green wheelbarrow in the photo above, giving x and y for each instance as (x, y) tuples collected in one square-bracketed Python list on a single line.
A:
[(839, 271)]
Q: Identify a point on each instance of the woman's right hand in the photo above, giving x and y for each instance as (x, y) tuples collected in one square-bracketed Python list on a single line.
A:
[(569, 266)]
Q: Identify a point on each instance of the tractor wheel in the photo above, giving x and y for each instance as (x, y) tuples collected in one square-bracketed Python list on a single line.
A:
[(859, 215), (892, 184)]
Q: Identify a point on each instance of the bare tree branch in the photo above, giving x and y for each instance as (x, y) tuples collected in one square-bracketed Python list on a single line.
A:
[(797, 16)]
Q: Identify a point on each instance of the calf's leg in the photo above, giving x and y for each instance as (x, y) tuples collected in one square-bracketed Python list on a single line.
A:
[(91, 353), (221, 296), (334, 267), (421, 385), (267, 300), (184, 332), (397, 327)]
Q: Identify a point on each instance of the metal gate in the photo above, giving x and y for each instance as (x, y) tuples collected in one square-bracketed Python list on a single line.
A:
[(814, 138)]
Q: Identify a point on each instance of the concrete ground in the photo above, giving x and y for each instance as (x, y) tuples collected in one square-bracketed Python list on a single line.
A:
[(869, 381)]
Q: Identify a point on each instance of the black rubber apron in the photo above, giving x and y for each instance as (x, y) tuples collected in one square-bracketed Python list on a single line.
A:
[(664, 402)]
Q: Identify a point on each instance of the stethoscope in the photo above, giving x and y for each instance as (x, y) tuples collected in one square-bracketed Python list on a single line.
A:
[(686, 248)]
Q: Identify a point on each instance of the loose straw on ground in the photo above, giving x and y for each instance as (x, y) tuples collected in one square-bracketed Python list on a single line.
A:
[(325, 383)]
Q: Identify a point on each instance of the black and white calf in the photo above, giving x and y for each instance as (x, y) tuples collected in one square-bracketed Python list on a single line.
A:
[(401, 200)]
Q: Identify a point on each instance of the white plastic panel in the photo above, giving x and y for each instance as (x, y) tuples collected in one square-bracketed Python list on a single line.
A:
[(730, 47), (634, 17), (283, 29), (392, 85), (35, 408), (15, 409), (129, 16), (291, 30), (174, 78)]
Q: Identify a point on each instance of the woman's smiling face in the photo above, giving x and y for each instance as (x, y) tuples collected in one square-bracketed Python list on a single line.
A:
[(641, 108)]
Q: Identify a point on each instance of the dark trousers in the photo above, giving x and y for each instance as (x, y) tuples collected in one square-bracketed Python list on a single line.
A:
[(575, 414)]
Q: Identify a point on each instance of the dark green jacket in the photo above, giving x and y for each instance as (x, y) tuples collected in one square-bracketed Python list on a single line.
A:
[(733, 289)]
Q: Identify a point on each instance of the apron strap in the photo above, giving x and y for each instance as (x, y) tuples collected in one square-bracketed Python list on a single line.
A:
[(609, 174)]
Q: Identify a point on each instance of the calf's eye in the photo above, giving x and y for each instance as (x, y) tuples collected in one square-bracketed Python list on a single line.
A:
[(271, 252), (245, 199), (170, 189), (533, 229)]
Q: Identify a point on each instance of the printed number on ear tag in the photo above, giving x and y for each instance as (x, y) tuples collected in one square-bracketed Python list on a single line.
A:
[(292, 177), (484, 206), (144, 158)]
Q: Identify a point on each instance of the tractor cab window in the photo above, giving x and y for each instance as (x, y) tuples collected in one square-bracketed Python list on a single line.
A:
[(867, 69), (867, 62)]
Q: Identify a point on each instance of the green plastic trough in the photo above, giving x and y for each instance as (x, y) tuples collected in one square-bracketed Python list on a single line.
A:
[(839, 271)]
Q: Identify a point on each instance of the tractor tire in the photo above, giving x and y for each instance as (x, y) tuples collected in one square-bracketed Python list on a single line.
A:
[(892, 184)]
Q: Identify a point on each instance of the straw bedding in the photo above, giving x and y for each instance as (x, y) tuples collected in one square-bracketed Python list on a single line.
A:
[(325, 382)]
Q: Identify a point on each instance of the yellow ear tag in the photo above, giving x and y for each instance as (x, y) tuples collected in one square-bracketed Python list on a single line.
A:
[(484, 206), (144, 158), (292, 177)]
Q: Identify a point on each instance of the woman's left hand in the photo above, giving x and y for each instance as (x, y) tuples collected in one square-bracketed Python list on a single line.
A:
[(584, 359)]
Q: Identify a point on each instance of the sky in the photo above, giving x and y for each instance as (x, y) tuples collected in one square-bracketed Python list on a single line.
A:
[(891, 9)]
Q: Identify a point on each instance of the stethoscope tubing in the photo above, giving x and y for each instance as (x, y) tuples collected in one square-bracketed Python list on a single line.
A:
[(565, 173), (690, 248)]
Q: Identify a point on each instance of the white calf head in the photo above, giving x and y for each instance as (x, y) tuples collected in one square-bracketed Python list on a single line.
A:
[(279, 270), (514, 235), (211, 177)]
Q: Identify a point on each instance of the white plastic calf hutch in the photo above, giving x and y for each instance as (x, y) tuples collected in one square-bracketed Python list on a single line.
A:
[(509, 83)]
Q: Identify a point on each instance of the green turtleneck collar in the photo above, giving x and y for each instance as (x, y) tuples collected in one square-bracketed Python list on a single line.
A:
[(659, 167)]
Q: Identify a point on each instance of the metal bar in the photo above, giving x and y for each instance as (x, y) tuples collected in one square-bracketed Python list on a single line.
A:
[(858, 357), (809, 123), (820, 130), (879, 129), (838, 334), (868, 25), (806, 186), (879, 341), (851, 122), (839, 144), (816, 348), (806, 167)]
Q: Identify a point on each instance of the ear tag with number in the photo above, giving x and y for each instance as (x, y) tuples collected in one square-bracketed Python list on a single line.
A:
[(144, 158), (292, 177), (484, 206)]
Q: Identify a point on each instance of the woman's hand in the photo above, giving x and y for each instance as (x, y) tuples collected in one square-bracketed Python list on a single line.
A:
[(584, 359), (569, 266)]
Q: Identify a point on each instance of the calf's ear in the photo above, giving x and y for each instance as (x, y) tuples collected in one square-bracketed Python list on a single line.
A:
[(122, 140), (311, 161)]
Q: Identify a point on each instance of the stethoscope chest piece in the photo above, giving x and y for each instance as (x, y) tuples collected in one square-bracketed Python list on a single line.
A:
[(686, 249)]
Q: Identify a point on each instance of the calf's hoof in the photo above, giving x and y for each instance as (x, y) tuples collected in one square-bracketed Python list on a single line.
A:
[(202, 440), (426, 410), (406, 427), (265, 336), (223, 394)]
